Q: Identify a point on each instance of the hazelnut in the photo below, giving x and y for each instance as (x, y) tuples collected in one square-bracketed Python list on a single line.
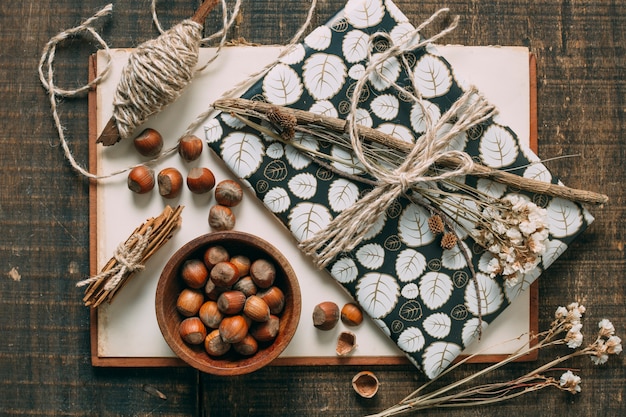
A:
[(149, 143), (263, 273), (170, 182), (365, 384), (189, 302), (266, 331), (346, 343), (210, 314), (247, 347), (221, 218), (192, 330), (351, 315), (214, 345), (233, 329), (224, 274), (274, 298), (200, 180), (246, 286), (256, 309), (190, 147), (325, 315), (194, 273), (212, 291), (231, 302), (242, 263), (215, 255), (141, 179), (228, 193)]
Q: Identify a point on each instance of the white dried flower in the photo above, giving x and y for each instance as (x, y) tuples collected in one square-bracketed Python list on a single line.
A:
[(574, 337), (570, 382), (606, 328), (600, 355), (614, 345), (561, 313)]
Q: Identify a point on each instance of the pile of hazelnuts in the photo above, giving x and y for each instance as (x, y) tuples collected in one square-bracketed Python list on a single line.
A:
[(229, 303), (200, 180)]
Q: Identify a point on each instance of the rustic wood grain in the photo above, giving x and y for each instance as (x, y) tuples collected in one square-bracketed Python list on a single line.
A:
[(44, 349)]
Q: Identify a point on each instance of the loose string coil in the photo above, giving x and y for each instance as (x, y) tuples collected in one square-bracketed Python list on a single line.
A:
[(350, 227)]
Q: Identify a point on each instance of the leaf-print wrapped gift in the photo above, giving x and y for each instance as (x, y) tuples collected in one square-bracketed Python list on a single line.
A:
[(422, 296)]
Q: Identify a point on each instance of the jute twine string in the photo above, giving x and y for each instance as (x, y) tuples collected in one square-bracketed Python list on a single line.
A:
[(352, 225), (129, 259)]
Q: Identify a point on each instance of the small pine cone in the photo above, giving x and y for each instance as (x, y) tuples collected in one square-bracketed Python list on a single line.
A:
[(435, 223), (448, 241)]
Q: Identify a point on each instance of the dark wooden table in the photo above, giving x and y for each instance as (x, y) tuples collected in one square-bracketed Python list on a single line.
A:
[(44, 225)]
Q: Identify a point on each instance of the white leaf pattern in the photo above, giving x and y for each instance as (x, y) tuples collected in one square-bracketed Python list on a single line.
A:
[(294, 56), (277, 200), (410, 264), (320, 38), (395, 12), (564, 217), (554, 249), (404, 34), (491, 297), (491, 188), (377, 293), (538, 172), (498, 148), (306, 219), (386, 73), (354, 46), (454, 258), (232, 121), (303, 186), (438, 325), (411, 340), (213, 131), (356, 71), (324, 75), (398, 131), (342, 194), (432, 77), (275, 150), (371, 256), (410, 291), (282, 85), (522, 284), (471, 330), (419, 122), (413, 226), (243, 153), (435, 289), (386, 106), (438, 356), (352, 163), (344, 270), (364, 13), (364, 118), (324, 108)]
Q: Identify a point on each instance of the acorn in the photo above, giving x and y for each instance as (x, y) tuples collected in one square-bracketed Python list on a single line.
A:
[(256, 309), (200, 180), (210, 314), (274, 298), (246, 286), (263, 273), (141, 179), (231, 302), (224, 274), (214, 345), (221, 218), (228, 193), (170, 182), (233, 329), (325, 315), (149, 143), (189, 302), (266, 331), (194, 273), (351, 314), (190, 147), (192, 330), (247, 347)]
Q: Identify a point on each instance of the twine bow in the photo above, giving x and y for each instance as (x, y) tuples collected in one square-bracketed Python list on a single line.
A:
[(350, 227)]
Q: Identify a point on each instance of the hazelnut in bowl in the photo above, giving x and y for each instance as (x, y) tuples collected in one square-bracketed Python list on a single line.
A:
[(228, 303)]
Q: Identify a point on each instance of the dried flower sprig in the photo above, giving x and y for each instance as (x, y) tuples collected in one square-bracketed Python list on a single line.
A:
[(564, 330)]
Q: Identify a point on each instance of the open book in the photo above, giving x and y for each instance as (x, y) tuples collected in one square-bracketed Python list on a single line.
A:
[(125, 333)]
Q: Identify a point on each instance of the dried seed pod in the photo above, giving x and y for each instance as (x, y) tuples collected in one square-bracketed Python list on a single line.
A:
[(200, 180), (192, 330), (346, 343), (274, 298), (170, 182), (228, 193), (233, 329), (189, 302), (448, 241), (351, 314), (221, 218), (231, 302), (214, 255), (194, 273), (210, 314), (256, 309), (325, 315), (224, 274), (266, 331), (435, 224), (149, 142), (246, 286), (247, 347), (141, 179), (214, 345), (242, 263), (365, 384), (263, 273), (190, 147)]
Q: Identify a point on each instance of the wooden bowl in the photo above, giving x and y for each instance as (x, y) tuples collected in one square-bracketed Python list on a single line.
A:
[(170, 285)]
